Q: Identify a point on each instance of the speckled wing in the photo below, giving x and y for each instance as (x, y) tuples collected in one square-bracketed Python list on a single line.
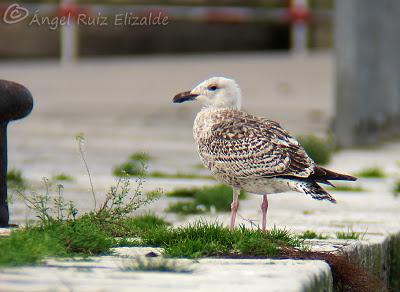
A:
[(245, 146)]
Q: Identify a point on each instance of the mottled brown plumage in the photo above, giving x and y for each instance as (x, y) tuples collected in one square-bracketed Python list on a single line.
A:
[(251, 153)]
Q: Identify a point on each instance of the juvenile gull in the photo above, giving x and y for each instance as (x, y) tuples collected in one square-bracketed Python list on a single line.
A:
[(251, 153)]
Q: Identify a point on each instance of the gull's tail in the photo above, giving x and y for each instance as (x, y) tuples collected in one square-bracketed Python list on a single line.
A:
[(313, 189), (323, 175)]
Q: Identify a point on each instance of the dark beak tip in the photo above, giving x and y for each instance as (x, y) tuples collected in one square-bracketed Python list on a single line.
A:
[(184, 96)]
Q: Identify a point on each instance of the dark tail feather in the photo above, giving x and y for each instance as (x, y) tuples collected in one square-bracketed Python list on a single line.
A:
[(323, 175), (314, 190)]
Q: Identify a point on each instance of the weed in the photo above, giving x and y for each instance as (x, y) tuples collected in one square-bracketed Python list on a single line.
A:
[(156, 265), (182, 193), (128, 168), (80, 138), (372, 172), (396, 188), (320, 150), (135, 166), (212, 239), (15, 179), (140, 157), (218, 197), (61, 232), (186, 208), (62, 177), (348, 235), (309, 234)]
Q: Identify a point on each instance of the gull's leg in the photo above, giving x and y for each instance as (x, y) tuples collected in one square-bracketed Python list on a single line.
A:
[(264, 207), (234, 206)]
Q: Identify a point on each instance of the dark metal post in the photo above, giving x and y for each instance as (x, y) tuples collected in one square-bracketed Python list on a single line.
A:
[(3, 175), (16, 102)]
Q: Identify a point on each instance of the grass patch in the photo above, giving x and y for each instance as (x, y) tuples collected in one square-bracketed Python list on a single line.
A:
[(348, 235), (372, 172), (62, 231), (62, 177), (345, 188), (155, 265), (185, 208), (309, 234), (320, 150), (218, 197), (396, 188), (135, 166), (203, 239), (15, 179)]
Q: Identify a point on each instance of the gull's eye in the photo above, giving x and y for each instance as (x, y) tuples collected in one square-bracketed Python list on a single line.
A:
[(213, 87)]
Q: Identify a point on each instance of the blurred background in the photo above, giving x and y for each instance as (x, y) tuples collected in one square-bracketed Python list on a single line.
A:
[(327, 70)]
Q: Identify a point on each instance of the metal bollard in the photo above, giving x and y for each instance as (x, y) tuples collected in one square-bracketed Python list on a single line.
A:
[(16, 102)]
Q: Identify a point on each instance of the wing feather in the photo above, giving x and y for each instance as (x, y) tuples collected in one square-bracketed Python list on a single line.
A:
[(246, 146)]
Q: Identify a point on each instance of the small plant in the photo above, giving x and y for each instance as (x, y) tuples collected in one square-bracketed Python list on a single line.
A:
[(309, 234), (135, 166), (186, 208), (320, 150), (128, 168), (372, 172), (218, 197), (348, 235), (62, 177), (140, 157), (61, 232), (141, 264), (396, 188), (15, 179)]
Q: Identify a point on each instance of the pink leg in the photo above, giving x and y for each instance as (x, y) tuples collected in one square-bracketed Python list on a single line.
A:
[(264, 208), (234, 207)]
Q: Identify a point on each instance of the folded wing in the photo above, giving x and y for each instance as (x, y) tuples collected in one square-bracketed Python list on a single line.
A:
[(246, 146)]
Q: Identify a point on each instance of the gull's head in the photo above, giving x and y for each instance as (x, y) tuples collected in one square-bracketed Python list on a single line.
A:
[(218, 92)]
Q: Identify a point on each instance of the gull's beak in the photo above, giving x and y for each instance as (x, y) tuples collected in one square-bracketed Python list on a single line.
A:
[(184, 96)]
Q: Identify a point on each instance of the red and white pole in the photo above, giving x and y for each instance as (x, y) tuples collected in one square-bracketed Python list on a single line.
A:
[(299, 16), (69, 32)]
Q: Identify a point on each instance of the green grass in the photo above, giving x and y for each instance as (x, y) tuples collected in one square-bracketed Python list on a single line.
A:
[(345, 188), (309, 234), (203, 239), (396, 188), (155, 265), (140, 156), (15, 179), (134, 166), (130, 168), (348, 235), (31, 245), (320, 150), (185, 208), (372, 172), (205, 198), (62, 177), (85, 236)]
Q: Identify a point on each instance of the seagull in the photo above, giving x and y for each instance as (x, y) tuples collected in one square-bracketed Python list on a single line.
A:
[(251, 153)]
